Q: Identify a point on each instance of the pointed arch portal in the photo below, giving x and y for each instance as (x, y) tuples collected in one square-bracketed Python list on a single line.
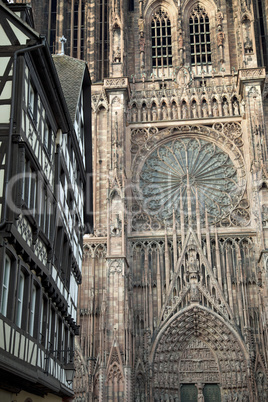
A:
[(198, 355)]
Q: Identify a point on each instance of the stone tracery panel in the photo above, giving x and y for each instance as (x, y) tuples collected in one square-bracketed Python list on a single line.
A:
[(208, 161), (189, 168)]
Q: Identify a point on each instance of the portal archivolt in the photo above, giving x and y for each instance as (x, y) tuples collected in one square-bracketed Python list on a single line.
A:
[(197, 347)]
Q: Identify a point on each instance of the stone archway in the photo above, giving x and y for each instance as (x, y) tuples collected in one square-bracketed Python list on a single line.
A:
[(216, 357)]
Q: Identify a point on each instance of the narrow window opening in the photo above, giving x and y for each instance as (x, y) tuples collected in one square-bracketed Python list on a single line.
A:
[(103, 41), (161, 40), (52, 25), (32, 311), (5, 286), (200, 38), (131, 5), (20, 299)]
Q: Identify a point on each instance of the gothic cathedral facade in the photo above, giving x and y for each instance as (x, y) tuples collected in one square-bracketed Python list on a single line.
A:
[(174, 296)]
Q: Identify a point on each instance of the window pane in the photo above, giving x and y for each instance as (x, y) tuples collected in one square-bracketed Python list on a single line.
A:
[(32, 312), (20, 300), (162, 47), (41, 321), (5, 286), (200, 36)]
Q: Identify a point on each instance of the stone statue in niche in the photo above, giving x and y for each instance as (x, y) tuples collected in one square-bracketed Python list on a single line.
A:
[(116, 226), (236, 108), (219, 18), (194, 110), (117, 45), (141, 25), (164, 112), (174, 112), (215, 109), (184, 111), (142, 48), (144, 114), (246, 27), (183, 77), (117, 55), (200, 396), (205, 109), (154, 113), (225, 108), (192, 264), (220, 38), (134, 115), (248, 46)]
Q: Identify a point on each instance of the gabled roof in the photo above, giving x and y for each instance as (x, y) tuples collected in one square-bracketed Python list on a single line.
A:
[(71, 73)]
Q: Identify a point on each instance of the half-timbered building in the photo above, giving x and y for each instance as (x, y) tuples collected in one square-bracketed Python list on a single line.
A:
[(44, 134)]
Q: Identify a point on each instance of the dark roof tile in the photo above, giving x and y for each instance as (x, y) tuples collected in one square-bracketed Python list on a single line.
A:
[(71, 73)]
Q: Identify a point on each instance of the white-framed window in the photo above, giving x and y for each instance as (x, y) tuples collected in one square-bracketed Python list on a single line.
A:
[(32, 103), (47, 139), (49, 211), (30, 172), (23, 179), (49, 344), (41, 321), (46, 135), (29, 186), (31, 100), (34, 183), (56, 335), (32, 311), (5, 285), (21, 285)]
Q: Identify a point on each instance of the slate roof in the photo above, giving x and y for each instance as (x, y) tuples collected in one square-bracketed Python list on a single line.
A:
[(71, 74)]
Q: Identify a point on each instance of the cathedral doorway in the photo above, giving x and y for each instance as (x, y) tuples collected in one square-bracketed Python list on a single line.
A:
[(196, 357), (198, 365), (189, 393), (212, 393)]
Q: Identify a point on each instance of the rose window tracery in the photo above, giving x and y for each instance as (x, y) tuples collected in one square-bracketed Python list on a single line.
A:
[(190, 175)]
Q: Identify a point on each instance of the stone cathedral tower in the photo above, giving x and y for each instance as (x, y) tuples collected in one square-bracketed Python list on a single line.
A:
[(174, 298)]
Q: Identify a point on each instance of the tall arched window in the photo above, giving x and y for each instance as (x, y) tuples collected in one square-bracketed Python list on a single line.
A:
[(200, 38), (102, 40), (52, 25), (161, 40)]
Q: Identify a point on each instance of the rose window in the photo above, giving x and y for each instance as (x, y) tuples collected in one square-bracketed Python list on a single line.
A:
[(190, 175)]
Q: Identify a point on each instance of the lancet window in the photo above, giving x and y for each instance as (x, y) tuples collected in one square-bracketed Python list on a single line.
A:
[(77, 28), (52, 23), (102, 40), (200, 37), (161, 40)]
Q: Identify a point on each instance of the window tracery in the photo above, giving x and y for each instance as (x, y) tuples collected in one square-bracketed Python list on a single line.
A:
[(161, 40), (200, 37)]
